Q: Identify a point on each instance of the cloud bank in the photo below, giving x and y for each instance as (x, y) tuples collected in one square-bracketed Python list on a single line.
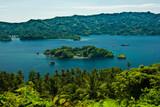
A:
[(120, 8), (24, 13)]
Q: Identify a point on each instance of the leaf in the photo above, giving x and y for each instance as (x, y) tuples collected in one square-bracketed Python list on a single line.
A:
[(62, 101)]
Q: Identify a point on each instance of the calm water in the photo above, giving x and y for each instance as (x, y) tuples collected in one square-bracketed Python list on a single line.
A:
[(21, 55)]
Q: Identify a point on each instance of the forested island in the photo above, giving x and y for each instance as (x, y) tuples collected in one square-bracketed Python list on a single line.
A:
[(85, 52), (121, 56), (111, 87), (72, 27)]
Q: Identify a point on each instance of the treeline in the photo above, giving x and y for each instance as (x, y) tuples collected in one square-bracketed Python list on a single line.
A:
[(79, 52), (126, 23), (135, 87), (4, 37)]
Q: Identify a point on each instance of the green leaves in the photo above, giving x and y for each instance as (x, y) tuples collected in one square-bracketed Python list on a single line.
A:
[(81, 53), (130, 23), (25, 96), (151, 96), (136, 87)]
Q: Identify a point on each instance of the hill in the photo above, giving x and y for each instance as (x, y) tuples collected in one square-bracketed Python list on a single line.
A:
[(71, 27)]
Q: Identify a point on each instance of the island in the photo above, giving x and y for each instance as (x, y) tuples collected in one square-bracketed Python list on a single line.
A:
[(85, 52), (77, 38), (121, 56)]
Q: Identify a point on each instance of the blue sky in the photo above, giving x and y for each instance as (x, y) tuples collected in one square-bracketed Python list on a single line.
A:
[(23, 10)]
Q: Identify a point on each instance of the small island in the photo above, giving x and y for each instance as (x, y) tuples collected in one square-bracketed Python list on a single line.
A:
[(121, 56), (85, 52), (78, 38)]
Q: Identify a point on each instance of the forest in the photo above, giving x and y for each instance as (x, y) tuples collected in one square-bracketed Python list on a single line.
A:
[(72, 27), (83, 52), (4, 37), (110, 87)]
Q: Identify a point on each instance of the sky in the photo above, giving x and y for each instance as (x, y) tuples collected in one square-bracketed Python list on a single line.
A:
[(24, 10)]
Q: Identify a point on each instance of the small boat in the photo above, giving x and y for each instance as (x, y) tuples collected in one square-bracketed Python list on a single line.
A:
[(124, 44), (37, 53), (52, 63)]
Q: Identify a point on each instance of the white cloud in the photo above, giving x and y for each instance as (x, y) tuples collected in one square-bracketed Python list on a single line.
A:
[(24, 13), (119, 8), (3, 7)]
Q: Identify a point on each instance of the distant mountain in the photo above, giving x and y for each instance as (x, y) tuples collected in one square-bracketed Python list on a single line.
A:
[(126, 23)]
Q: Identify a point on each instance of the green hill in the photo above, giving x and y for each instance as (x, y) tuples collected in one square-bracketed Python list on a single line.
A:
[(71, 27)]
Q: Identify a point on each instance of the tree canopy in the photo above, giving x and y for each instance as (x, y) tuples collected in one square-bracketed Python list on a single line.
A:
[(111, 87), (83, 52), (126, 23)]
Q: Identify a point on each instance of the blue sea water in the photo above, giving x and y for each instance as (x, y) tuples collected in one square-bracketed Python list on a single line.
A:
[(21, 55)]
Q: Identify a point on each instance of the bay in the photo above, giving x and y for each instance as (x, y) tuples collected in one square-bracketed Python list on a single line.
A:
[(21, 55)]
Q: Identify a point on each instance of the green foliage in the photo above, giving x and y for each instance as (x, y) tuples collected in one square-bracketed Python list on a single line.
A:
[(151, 96), (103, 103), (136, 87), (121, 56), (5, 38), (24, 97), (126, 23), (84, 52)]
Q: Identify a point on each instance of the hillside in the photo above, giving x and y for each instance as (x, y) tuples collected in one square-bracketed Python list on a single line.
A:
[(126, 23), (111, 87)]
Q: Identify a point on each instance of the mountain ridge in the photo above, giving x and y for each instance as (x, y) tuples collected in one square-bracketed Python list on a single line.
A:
[(34, 19), (71, 27)]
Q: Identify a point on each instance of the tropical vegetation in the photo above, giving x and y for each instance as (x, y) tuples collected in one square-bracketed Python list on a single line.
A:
[(121, 56), (82, 52), (125, 23), (111, 87)]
